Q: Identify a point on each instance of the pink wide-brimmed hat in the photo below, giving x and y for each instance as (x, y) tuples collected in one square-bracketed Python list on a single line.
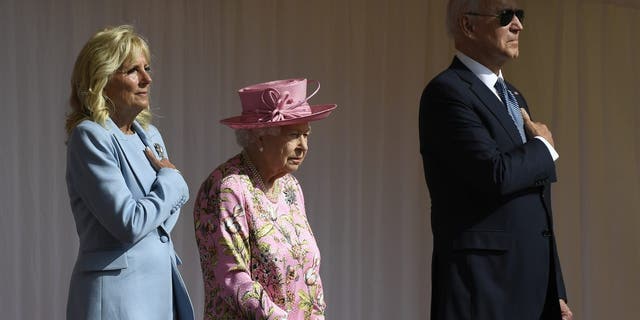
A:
[(277, 103)]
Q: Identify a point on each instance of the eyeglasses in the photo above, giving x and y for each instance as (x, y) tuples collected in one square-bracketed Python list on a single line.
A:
[(505, 15)]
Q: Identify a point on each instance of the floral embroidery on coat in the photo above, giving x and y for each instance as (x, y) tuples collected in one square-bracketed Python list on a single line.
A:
[(259, 258)]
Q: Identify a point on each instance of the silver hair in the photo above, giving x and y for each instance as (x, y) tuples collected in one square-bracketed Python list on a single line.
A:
[(455, 10), (245, 137)]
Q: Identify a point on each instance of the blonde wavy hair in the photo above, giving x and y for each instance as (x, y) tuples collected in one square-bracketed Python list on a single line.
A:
[(100, 58)]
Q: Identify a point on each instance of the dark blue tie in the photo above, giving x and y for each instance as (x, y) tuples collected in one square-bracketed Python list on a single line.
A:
[(510, 101)]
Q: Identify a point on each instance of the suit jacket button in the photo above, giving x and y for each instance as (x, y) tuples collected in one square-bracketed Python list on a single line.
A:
[(546, 233), (164, 239)]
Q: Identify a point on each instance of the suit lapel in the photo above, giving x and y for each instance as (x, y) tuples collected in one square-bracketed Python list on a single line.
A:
[(139, 165), (489, 99), (150, 141), (142, 134)]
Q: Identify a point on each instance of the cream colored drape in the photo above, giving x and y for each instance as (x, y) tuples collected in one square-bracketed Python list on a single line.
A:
[(363, 182)]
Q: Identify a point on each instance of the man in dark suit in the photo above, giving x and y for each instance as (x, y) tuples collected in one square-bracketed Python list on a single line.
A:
[(488, 168)]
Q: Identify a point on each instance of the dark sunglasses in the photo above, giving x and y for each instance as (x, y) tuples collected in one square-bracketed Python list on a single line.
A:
[(505, 15)]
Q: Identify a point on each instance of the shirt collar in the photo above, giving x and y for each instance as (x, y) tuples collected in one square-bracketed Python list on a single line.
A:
[(483, 73)]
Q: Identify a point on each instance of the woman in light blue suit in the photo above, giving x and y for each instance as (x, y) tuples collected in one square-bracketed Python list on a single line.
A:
[(125, 194)]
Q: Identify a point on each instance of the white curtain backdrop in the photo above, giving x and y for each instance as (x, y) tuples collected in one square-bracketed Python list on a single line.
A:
[(363, 182)]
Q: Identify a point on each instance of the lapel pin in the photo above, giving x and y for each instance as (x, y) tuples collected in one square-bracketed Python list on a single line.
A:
[(159, 150)]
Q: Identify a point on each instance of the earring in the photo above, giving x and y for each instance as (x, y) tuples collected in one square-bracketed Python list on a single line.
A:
[(260, 149)]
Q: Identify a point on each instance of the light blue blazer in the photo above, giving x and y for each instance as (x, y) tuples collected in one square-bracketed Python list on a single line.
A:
[(124, 212)]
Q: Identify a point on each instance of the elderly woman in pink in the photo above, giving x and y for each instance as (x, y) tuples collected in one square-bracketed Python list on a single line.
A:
[(258, 254)]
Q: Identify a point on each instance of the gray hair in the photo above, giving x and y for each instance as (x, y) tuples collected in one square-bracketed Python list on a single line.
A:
[(457, 8), (245, 137)]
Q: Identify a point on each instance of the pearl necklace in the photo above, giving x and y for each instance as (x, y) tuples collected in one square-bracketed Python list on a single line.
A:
[(271, 194)]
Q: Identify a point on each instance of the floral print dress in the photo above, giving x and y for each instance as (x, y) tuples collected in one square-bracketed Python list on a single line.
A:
[(259, 257)]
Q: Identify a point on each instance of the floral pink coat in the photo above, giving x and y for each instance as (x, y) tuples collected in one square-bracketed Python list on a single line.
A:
[(259, 257)]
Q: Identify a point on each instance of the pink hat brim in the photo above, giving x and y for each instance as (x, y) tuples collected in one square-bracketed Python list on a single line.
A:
[(244, 122)]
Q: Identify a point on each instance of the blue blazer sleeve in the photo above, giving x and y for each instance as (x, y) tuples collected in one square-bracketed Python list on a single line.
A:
[(156, 137), (95, 161)]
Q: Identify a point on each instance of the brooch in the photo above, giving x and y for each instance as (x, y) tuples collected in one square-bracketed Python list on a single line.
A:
[(159, 150)]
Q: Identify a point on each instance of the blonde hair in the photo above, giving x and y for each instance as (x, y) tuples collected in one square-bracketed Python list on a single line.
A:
[(100, 57)]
